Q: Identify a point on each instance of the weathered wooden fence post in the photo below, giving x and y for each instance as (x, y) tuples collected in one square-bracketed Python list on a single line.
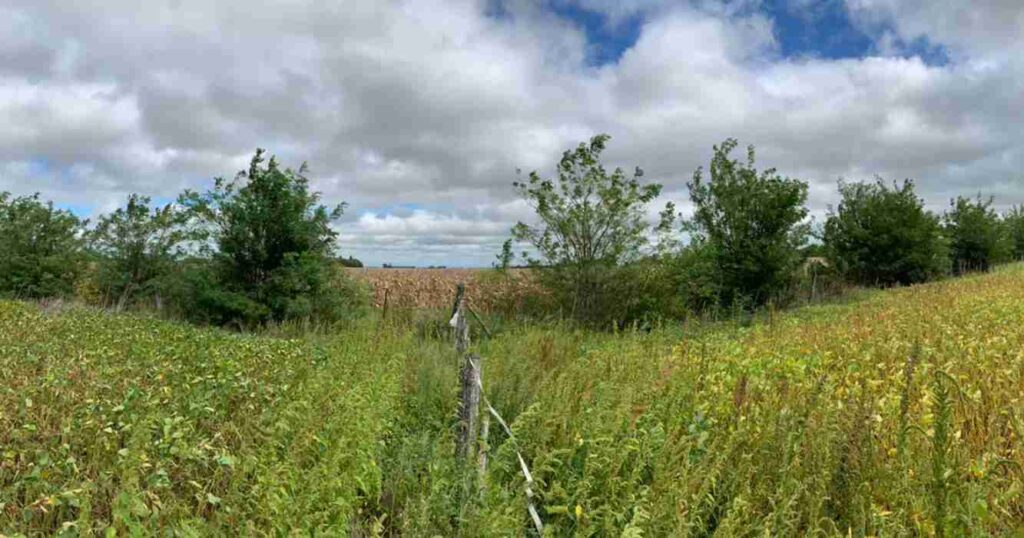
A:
[(485, 430), (459, 323), (469, 377), (469, 407)]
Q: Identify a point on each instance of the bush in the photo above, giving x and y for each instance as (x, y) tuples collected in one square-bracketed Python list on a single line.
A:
[(273, 255), (749, 225), (137, 249), (975, 233), (649, 293), (695, 277), (882, 235), (41, 252), (591, 225)]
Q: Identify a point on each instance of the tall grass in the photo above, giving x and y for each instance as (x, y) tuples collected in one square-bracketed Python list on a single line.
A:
[(141, 426), (894, 413)]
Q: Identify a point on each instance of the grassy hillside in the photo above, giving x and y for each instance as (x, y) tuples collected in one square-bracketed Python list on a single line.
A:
[(899, 413)]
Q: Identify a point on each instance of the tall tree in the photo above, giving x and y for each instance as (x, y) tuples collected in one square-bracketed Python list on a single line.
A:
[(881, 235), (138, 247), (591, 222), (41, 248), (273, 245), (975, 233), (752, 224)]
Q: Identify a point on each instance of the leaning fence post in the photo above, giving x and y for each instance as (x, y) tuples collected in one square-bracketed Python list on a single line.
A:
[(469, 377)]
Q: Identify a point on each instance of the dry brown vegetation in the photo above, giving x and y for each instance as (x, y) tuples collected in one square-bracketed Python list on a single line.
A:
[(487, 290)]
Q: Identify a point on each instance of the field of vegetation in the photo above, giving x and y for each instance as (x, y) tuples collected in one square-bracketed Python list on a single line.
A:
[(434, 288), (893, 413)]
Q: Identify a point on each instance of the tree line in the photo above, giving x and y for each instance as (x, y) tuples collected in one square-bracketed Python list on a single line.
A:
[(748, 244), (255, 249), (259, 248)]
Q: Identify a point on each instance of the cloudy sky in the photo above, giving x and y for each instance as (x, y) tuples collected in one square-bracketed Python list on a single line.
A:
[(418, 112)]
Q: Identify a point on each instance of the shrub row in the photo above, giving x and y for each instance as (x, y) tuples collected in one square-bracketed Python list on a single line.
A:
[(748, 242)]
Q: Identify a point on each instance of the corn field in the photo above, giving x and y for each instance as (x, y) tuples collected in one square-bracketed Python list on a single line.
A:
[(488, 290)]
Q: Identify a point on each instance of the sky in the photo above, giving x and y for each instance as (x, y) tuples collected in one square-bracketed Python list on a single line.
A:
[(418, 113)]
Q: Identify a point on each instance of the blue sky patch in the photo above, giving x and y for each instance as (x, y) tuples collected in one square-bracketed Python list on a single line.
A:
[(78, 210), (930, 53), (607, 39), (803, 29), (39, 166), (821, 29)]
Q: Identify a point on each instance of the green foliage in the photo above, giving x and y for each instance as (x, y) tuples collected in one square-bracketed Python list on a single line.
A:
[(505, 257), (750, 222), (138, 248), (881, 235), (895, 415), (976, 235), (273, 242), (1013, 220), (41, 248), (138, 427), (591, 224), (697, 282)]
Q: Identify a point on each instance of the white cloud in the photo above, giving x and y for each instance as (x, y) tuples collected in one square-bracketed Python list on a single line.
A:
[(971, 27), (432, 104)]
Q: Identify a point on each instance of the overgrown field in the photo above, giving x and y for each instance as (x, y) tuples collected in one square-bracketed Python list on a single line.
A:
[(899, 413), (138, 425)]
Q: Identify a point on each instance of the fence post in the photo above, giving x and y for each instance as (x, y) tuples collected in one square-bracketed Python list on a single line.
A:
[(469, 377), (469, 407), (459, 322), (485, 430)]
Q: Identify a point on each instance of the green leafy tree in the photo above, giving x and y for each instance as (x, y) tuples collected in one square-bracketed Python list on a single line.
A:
[(41, 248), (1013, 221), (270, 244), (976, 235), (881, 235), (751, 224), (138, 247), (591, 223)]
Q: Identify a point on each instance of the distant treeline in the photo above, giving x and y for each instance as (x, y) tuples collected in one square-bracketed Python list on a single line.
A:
[(394, 266), (350, 262), (260, 248)]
